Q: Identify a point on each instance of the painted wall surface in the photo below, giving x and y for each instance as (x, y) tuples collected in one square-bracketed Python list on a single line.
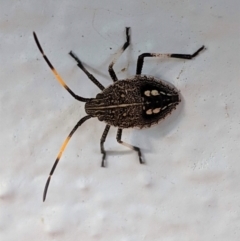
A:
[(189, 187)]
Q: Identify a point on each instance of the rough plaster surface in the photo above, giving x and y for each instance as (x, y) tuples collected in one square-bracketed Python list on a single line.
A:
[(189, 187)]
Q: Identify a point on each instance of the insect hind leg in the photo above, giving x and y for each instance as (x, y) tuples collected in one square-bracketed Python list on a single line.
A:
[(118, 54), (134, 148), (178, 56)]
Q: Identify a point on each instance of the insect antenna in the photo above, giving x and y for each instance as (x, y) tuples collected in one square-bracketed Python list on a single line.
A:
[(58, 77), (61, 152)]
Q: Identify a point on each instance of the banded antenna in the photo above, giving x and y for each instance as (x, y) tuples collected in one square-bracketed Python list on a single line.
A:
[(79, 98)]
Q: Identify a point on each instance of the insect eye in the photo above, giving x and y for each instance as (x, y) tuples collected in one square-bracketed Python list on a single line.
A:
[(100, 118), (99, 96)]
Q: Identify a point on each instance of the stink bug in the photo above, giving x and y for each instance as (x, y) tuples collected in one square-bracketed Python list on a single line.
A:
[(139, 101)]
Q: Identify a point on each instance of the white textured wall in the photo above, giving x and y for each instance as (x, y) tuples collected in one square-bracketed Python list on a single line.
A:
[(189, 188)]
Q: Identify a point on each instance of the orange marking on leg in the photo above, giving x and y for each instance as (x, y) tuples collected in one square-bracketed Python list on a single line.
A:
[(58, 77), (63, 147)]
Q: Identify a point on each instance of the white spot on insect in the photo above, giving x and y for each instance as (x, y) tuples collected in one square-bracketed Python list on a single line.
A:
[(154, 92), (163, 93), (144, 108), (149, 112), (170, 104), (157, 110), (164, 107), (124, 114), (147, 92), (169, 94), (122, 95)]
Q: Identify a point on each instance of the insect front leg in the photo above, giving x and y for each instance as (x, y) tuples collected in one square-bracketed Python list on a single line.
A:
[(134, 148), (179, 56), (103, 139), (90, 76), (118, 54)]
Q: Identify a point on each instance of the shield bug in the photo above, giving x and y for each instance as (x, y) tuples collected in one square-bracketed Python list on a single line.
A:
[(139, 101)]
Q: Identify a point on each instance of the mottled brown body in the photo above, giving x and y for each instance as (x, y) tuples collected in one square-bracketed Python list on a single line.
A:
[(140, 101)]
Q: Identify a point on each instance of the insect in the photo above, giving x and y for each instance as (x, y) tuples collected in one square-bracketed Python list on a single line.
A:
[(139, 101)]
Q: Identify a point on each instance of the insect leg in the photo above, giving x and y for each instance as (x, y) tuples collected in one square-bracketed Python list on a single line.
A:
[(118, 54), (61, 151), (179, 56), (58, 77), (103, 138), (135, 148), (90, 76)]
